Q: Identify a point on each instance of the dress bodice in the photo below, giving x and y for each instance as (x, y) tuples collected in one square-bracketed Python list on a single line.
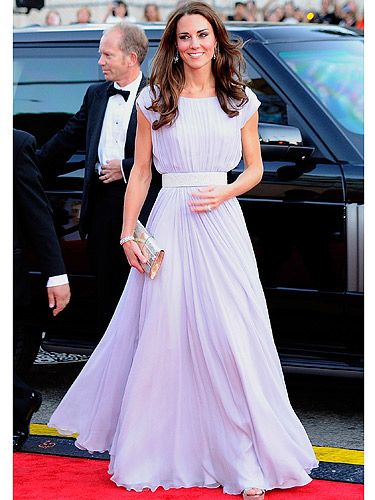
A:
[(202, 138)]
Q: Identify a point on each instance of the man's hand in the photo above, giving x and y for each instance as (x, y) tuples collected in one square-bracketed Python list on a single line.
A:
[(58, 297), (111, 171)]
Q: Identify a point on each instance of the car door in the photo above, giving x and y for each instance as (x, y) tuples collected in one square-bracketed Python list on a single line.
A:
[(296, 218)]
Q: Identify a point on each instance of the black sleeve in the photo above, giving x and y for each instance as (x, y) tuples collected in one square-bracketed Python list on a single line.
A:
[(59, 149), (33, 206)]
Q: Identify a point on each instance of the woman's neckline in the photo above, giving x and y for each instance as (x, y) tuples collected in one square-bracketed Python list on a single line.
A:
[(199, 98)]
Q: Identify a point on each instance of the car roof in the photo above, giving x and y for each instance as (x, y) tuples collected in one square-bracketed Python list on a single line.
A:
[(263, 32)]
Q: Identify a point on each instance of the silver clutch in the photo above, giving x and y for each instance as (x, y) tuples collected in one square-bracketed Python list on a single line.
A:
[(150, 249)]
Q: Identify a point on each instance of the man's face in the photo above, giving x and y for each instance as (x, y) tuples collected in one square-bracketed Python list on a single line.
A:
[(240, 10), (113, 61), (83, 16)]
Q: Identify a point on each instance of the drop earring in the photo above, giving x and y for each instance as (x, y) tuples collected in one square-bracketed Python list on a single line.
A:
[(176, 58)]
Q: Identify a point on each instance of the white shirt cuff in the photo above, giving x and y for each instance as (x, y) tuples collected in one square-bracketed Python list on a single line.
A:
[(62, 279), (123, 175)]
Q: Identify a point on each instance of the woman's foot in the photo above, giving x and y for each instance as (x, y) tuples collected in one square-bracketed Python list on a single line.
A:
[(253, 494)]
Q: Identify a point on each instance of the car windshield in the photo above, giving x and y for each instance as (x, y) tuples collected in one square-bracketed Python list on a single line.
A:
[(334, 74)]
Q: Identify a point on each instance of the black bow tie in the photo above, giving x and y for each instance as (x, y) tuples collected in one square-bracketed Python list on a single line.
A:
[(113, 91)]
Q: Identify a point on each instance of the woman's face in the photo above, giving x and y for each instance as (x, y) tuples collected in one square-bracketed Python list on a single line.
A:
[(195, 41), (120, 10), (151, 13)]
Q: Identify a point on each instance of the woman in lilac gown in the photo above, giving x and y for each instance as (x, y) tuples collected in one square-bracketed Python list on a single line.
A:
[(185, 388)]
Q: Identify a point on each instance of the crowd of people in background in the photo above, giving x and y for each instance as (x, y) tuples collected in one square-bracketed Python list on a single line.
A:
[(117, 11), (331, 12)]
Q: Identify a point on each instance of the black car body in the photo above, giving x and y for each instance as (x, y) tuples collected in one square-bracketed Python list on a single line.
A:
[(306, 216)]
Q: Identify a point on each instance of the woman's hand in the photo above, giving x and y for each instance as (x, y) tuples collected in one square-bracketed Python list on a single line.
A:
[(209, 197), (134, 255)]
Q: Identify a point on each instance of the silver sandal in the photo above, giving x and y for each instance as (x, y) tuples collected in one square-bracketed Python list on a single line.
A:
[(259, 495)]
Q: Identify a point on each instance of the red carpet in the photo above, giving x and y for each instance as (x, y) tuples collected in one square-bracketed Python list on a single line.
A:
[(41, 477)]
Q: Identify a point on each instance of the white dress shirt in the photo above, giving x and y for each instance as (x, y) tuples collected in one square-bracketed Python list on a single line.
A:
[(115, 124), (112, 138), (61, 279)]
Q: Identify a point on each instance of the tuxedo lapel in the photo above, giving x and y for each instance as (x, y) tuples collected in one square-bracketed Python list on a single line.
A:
[(96, 111), (97, 107), (132, 127)]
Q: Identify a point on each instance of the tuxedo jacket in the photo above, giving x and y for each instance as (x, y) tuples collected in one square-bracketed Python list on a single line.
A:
[(83, 130), (32, 218)]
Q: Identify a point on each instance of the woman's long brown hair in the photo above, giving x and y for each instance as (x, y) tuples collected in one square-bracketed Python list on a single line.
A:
[(168, 79)]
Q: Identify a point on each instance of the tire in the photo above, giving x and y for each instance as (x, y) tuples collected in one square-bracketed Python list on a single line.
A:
[(26, 343)]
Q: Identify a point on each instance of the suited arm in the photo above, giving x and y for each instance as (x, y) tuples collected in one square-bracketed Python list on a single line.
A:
[(35, 211), (54, 154)]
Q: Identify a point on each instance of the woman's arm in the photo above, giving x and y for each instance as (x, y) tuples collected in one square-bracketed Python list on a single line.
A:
[(109, 12), (250, 177), (253, 165), (137, 189)]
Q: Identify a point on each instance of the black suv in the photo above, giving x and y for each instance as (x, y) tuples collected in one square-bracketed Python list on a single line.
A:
[(305, 218)]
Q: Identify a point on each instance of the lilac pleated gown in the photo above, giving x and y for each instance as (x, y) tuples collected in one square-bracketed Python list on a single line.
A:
[(185, 388)]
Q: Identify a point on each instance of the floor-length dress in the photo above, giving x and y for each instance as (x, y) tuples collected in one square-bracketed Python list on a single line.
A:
[(185, 388)]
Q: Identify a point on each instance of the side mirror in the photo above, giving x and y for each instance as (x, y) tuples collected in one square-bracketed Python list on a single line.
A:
[(282, 143)]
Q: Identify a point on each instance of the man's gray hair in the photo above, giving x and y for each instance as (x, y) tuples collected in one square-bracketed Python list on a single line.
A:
[(133, 39)]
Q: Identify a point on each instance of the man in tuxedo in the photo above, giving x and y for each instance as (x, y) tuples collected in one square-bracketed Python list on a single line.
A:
[(106, 124), (33, 226)]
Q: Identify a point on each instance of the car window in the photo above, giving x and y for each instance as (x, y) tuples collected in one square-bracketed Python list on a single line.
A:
[(49, 84), (272, 109), (48, 87), (147, 63), (335, 76)]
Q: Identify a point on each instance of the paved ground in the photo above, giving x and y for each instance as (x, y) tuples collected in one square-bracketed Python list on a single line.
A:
[(330, 409)]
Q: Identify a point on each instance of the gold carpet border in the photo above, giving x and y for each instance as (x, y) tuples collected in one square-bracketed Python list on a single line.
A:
[(323, 453)]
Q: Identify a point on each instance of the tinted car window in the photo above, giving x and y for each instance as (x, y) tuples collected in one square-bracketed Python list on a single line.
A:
[(335, 76), (147, 63), (49, 86), (272, 109)]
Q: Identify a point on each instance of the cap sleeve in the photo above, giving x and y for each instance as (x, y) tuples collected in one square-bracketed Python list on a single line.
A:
[(250, 107), (143, 102)]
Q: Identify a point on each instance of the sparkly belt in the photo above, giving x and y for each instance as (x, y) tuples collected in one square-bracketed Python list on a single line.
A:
[(186, 179)]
